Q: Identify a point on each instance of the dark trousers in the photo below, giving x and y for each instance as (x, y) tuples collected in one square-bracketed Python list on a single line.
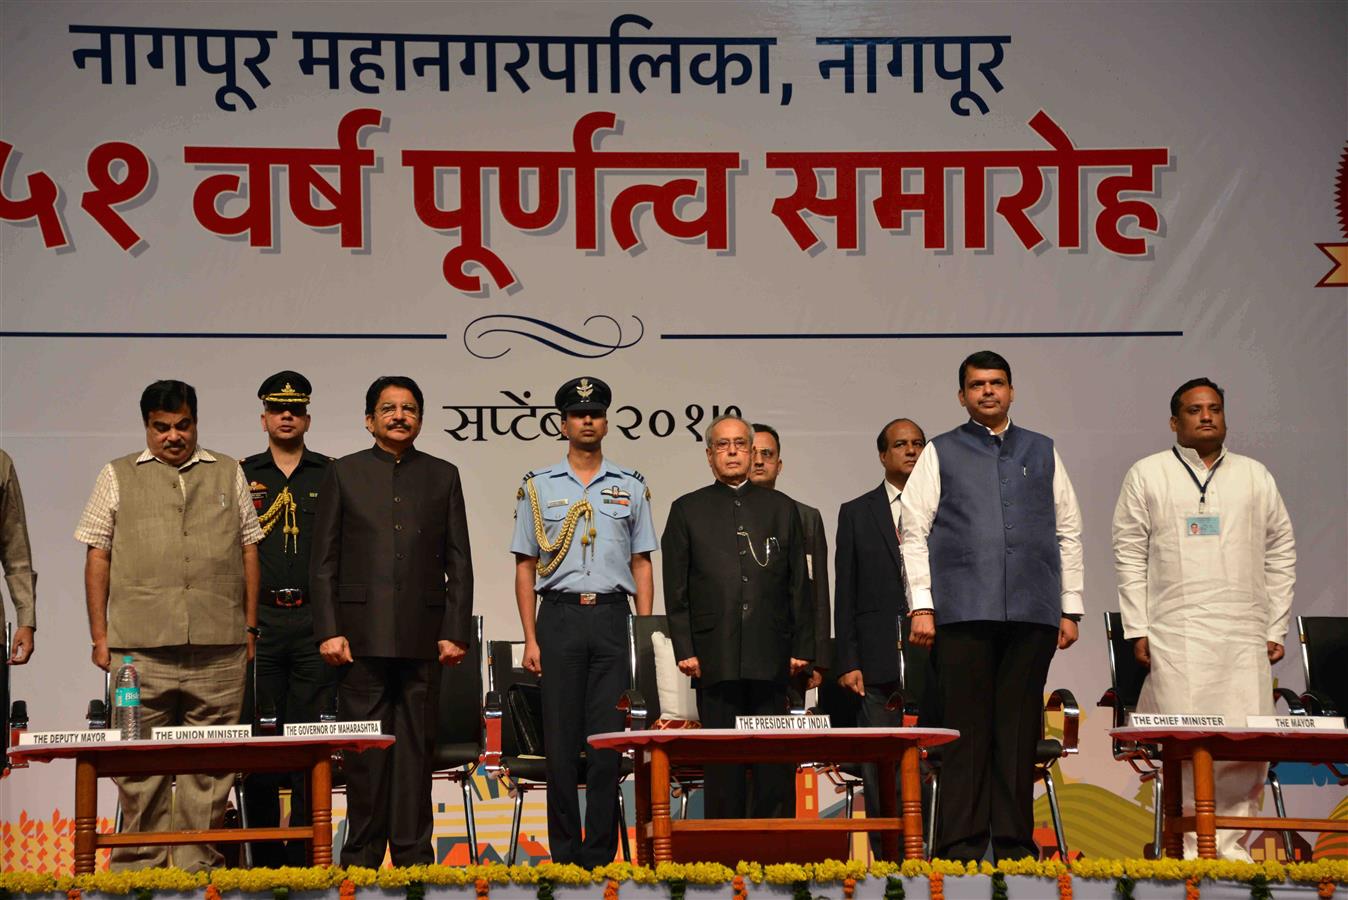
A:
[(292, 680), (991, 678), (388, 791), (727, 785), (872, 714), (584, 657)]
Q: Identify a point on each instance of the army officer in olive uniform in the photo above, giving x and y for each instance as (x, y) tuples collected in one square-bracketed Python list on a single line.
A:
[(583, 543), (292, 680)]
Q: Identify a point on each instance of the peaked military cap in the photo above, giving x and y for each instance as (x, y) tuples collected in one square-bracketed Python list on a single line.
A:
[(285, 387), (583, 395)]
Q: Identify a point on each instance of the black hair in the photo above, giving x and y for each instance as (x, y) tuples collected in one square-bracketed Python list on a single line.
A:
[(985, 359), (1189, 386), (768, 429), (388, 381), (167, 396), (882, 442)]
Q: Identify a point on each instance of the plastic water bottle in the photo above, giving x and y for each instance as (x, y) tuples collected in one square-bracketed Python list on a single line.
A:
[(126, 701)]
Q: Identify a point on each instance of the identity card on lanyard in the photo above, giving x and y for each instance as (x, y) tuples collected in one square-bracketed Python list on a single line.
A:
[(1203, 524)]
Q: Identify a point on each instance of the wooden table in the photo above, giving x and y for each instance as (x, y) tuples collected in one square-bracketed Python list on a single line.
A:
[(658, 750), (1202, 746), (259, 754)]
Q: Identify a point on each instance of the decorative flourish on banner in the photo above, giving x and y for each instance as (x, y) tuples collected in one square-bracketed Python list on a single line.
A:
[(1338, 276), (549, 335)]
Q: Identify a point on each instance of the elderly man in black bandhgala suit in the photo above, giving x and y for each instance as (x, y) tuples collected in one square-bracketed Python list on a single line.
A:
[(740, 615)]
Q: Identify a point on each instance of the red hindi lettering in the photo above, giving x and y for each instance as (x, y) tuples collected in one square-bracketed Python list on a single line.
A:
[(107, 192), (40, 204)]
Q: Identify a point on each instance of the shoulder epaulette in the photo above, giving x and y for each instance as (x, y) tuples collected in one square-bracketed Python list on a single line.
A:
[(635, 474)]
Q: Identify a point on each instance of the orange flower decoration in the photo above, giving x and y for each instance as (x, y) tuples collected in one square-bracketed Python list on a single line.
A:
[(74, 894), (611, 889), (1325, 890), (737, 884), (937, 882), (346, 890), (1191, 889), (482, 886), (1065, 886), (849, 887), (212, 892)]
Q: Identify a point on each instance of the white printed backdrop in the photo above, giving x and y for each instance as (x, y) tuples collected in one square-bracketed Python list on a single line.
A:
[(1246, 104)]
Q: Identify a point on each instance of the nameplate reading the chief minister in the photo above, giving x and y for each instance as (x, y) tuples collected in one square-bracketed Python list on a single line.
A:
[(50, 738), (1171, 720), (333, 729), (1297, 723), (782, 723), (202, 733)]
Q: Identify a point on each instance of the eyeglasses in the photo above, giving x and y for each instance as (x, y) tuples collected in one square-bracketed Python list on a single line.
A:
[(390, 409), (723, 445)]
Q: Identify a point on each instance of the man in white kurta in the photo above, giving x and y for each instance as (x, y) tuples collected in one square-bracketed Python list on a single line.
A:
[(1206, 562)]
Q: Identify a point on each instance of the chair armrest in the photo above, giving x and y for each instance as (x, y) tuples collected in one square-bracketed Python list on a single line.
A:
[(1061, 700), (633, 703), (1315, 703), (905, 705), (492, 712), (266, 722), (1294, 703)]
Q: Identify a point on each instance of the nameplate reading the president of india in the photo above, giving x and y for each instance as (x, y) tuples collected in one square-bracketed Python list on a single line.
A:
[(203, 733), (333, 729), (782, 723), (1171, 720), (51, 738)]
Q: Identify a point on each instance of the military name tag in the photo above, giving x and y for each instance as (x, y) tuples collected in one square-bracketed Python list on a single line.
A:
[(1203, 526), (782, 723), (1296, 723)]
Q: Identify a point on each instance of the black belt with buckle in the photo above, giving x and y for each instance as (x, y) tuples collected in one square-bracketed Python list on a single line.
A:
[(285, 598), (585, 599)]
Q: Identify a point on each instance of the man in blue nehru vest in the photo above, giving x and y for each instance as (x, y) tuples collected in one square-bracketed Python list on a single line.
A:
[(992, 549), (583, 542)]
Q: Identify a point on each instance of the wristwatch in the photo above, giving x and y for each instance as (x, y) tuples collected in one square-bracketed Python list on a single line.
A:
[(1075, 617), (253, 630)]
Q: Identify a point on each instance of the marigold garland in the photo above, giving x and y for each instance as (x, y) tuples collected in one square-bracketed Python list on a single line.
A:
[(611, 889), (345, 891), (936, 880), (1325, 891), (894, 889), (212, 892), (73, 894), (482, 887), (999, 887), (849, 887), (1191, 891), (1065, 886), (737, 885)]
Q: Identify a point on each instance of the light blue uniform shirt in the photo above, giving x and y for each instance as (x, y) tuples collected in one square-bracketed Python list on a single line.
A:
[(622, 523)]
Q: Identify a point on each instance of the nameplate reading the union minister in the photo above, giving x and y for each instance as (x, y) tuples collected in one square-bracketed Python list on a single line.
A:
[(1297, 723), (1172, 720), (782, 723), (51, 738), (203, 733), (333, 729)]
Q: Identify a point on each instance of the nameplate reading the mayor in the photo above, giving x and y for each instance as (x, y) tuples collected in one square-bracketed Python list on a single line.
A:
[(1172, 720), (1297, 723), (333, 729), (202, 733), (782, 723), (51, 738)]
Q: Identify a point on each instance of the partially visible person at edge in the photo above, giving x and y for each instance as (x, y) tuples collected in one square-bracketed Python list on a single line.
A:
[(171, 580)]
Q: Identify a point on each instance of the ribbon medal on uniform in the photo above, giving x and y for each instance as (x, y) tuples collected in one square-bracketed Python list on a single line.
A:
[(616, 495)]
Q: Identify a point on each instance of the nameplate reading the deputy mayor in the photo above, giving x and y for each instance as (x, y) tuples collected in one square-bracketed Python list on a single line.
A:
[(202, 733), (334, 729), (782, 723), (51, 738), (1297, 723), (1173, 720)]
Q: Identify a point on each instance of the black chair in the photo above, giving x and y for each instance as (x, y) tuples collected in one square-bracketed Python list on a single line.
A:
[(1324, 661), (642, 702), (460, 738), (1126, 677), (516, 742)]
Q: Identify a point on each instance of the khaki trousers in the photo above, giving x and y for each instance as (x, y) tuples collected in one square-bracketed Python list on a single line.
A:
[(183, 685)]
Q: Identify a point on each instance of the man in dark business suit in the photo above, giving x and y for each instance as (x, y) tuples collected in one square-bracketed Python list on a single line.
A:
[(764, 469), (870, 597), (392, 582), (739, 614)]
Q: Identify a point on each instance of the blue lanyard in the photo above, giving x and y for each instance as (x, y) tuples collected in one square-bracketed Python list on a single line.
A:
[(1201, 485)]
